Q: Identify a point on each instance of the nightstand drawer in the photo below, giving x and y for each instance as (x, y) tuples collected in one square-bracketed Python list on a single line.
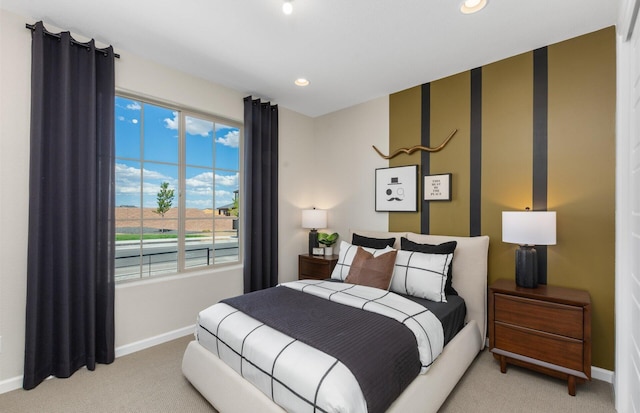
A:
[(545, 347), (317, 269), (545, 316)]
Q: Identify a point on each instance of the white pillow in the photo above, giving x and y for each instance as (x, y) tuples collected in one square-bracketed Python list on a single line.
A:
[(421, 275), (345, 258)]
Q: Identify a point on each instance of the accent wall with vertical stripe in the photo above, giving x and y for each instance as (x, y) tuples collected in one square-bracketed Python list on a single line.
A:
[(534, 130)]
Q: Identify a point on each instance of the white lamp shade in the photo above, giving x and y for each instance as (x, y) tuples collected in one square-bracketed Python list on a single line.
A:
[(529, 227), (314, 218)]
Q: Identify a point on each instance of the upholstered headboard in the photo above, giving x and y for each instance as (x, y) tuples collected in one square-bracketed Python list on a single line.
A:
[(469, 274)]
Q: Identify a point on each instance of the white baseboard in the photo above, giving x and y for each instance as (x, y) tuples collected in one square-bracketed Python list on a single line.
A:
[(601, 374), (10, 384), (154, 341), (16, 382)]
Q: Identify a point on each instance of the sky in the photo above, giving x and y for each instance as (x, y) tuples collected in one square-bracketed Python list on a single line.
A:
[(159, 128)]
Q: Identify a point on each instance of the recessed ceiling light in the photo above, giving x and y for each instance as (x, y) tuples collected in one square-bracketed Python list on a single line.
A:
[(287, 7), (472, 6), (301, 82)]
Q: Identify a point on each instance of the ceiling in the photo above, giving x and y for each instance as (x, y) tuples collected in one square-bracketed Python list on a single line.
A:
[(350, 50)]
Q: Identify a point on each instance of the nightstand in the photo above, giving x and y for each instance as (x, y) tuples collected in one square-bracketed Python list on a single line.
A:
[(316, 267), (546, 329)]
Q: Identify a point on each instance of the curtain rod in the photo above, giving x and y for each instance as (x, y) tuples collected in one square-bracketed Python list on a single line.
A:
[(32, 27)]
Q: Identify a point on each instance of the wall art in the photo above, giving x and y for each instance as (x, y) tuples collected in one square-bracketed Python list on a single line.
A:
[(437, 187), (397, 189)]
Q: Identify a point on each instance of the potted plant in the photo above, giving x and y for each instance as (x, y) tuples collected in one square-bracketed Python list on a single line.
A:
[(327, 240)]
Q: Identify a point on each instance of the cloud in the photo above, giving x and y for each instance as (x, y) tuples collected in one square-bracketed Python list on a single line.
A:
[(201, 189), (199, 203), (195, 126), (224, 197), (200, 185), (134, 106), (231, 139), (227, 180), (199, 182), (123, 119), (198, 126), (152, 188), (172, 123), (206, 179), (158, 176), (128, 180), (203, 179)]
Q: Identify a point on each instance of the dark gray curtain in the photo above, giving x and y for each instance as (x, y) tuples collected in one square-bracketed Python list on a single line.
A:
[(261, 195), (70, 274)]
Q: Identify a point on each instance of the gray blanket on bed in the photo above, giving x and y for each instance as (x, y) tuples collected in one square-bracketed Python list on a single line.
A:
[(381, 353)]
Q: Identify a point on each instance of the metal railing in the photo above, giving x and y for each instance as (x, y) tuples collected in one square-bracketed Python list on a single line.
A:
[(169, 259), (155, 254)]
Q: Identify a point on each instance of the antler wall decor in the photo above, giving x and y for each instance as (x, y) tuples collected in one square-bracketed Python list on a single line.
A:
[(411, 150)]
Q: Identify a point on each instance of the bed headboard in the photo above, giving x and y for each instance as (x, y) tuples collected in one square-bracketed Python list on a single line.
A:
[(470, 262)]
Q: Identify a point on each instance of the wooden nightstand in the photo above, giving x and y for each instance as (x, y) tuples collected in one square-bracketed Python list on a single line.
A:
[(546, 329), (316, 267)]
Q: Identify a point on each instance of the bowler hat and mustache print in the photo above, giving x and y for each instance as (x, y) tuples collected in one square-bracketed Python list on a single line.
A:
[(395, 193)]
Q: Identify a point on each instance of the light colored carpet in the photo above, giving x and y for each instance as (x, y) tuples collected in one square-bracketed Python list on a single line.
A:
[(146, 381), (484, 389), (152, 381)]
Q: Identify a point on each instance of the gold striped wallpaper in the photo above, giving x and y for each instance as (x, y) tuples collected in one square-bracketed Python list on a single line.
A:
[(449, 110), (579, 113)]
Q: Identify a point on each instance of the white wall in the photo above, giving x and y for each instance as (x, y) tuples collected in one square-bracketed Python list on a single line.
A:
[(15, 80), (295, 190), (345, 166), (334, 170)]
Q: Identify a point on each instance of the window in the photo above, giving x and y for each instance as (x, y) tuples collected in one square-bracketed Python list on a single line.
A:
[(177, 191)]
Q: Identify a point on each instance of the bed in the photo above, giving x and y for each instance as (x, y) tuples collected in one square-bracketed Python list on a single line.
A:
[(228, 391)]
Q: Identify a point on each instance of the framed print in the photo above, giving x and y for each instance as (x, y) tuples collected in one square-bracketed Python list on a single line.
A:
[(437, 187), (397, 189)]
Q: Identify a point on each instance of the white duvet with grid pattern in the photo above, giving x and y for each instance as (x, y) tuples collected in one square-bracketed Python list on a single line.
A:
[(296, 376)]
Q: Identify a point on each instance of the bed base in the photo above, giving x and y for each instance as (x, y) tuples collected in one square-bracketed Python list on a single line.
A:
[(228, 392)]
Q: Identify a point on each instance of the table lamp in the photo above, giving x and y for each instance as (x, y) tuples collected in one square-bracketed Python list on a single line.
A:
[(527, 229), (314, 219)]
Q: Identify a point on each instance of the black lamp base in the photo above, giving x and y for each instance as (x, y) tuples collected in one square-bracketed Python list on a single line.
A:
[(313, 240), (526, 267)]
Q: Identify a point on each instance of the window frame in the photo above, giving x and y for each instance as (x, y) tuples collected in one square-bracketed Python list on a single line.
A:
[(185, 111)]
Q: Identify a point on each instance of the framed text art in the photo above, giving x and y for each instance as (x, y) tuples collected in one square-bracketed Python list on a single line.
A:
[(397, 189), (437, 187)]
